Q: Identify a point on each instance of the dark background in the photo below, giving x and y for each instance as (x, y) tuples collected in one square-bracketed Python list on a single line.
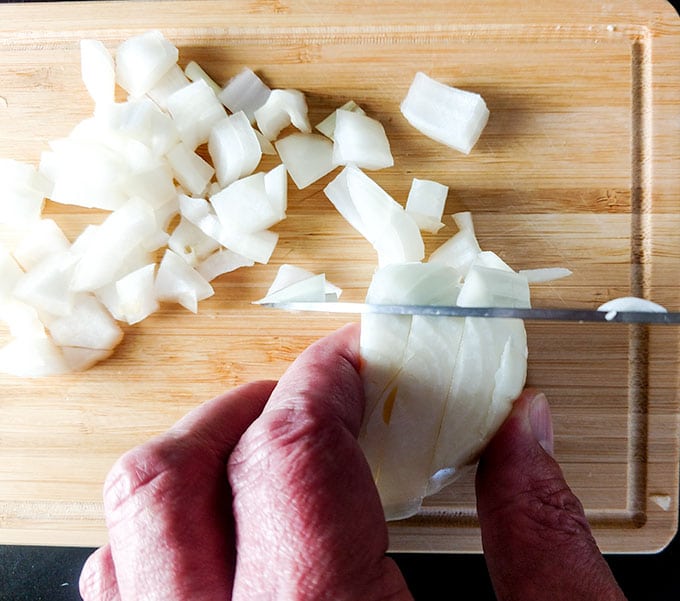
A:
[(29, 573)]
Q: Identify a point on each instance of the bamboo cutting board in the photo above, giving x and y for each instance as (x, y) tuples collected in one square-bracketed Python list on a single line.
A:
[(579, 167)]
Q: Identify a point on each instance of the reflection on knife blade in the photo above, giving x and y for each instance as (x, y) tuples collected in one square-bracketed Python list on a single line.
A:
[(542, 314)]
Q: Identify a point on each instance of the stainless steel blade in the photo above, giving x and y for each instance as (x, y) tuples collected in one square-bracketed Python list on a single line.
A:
[(539, 314)]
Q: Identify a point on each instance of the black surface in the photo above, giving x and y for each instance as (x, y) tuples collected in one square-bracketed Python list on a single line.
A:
[(51, 574)]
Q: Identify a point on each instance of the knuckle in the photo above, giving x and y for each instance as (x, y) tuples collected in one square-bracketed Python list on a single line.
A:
[(553, 507), (145, 471)]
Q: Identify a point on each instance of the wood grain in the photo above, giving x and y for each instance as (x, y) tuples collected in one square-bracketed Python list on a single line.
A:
[(579, 167)]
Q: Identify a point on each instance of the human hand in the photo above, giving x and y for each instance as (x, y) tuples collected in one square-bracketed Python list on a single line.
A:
[(263, 493)]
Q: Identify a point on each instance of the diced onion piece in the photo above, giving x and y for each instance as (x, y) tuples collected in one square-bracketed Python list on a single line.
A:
[(42, 239), (98, 71), (22, 319), (132, 298), (327, 126), (376, 216), (103, 251), (190, 169), (256, 246), (32, 357), (311, 288), (446, 114), (282, 108), (154, 184), (142, 60), (179, 282), (22, 193), (461, 249), (140, 120), (630, 303), (361, 141), (289, 276), (491, 287), (87, 173), (46, 286), (221, 262), (425, 203), (234, 148), (245, 92), (265, 145), (194, 72), (307, 157), (195, 110), (545, 274), (276, 186), (244, 205), (10, 273), (87, 325), (81, 359), (173, 81), (191, 243)]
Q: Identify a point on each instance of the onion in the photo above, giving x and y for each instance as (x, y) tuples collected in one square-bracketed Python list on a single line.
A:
[(376, 216), (545, 274), (220, 262), (142, 60), (132, 298), (22, 193), (194, 72), (447, 383), (629, 303), (178, 282), (293, 283), (425, 203), (327, 126), (361, 141), (245, 92), (190, 170), (307, 157), (234, 148), (173, 81), (446, 114), (282, 108), (195, 110), (98, 71)]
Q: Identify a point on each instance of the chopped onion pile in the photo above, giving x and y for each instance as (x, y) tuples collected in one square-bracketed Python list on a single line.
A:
[(204, 213)]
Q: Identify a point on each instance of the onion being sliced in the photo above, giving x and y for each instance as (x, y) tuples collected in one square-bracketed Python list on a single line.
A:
[(446, 114), (307, 157)]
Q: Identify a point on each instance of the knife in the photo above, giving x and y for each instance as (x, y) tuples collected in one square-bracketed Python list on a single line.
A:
[(539, 314)]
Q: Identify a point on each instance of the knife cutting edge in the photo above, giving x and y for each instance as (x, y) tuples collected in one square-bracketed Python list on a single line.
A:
[(537, 314)]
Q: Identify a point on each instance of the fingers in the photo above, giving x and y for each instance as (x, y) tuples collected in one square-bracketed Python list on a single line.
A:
[(309, 520), (536, 539), (98, 578), (167, 503)]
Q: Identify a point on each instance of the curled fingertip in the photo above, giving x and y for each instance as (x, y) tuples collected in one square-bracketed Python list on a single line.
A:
[(98, 577)]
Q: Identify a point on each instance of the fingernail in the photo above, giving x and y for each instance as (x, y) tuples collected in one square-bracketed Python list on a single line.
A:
[(541, 422)]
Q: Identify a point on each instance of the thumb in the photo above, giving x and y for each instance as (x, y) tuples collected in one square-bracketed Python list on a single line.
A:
[(536, 539)]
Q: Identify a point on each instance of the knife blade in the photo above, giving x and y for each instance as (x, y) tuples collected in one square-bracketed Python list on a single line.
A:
[(537, 314)]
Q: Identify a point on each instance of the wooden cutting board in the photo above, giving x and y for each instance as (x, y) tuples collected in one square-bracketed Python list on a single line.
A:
[(579, 167)]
